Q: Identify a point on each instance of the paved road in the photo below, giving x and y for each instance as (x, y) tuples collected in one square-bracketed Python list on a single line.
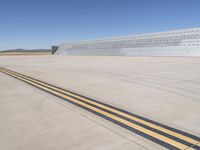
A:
[(169, 92), (161, 134)]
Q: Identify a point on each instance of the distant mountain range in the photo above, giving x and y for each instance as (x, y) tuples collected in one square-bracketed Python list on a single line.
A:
[(27, 50)]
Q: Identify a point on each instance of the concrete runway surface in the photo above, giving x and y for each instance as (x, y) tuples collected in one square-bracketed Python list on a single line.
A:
[(163, 89)]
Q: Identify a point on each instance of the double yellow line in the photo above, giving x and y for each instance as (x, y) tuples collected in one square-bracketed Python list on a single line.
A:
[(161, 134)]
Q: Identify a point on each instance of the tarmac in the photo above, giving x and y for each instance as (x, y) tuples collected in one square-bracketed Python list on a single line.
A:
[(163, 89)]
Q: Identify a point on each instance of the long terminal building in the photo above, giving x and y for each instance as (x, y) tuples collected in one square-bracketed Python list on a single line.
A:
[(184, 42)]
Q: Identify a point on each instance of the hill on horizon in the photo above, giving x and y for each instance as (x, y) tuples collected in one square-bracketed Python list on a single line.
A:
[(26, 50)]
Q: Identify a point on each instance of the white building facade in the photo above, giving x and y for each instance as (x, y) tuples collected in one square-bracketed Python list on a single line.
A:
[(171, 43)]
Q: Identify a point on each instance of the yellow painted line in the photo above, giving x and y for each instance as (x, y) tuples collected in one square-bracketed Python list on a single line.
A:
[(125, 122), (170, 132), (191, 148)]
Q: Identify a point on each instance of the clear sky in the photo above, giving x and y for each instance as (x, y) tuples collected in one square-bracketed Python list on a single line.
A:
[(42, 23)]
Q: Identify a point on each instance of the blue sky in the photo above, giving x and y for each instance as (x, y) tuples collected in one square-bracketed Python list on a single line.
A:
[(42, 23)]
